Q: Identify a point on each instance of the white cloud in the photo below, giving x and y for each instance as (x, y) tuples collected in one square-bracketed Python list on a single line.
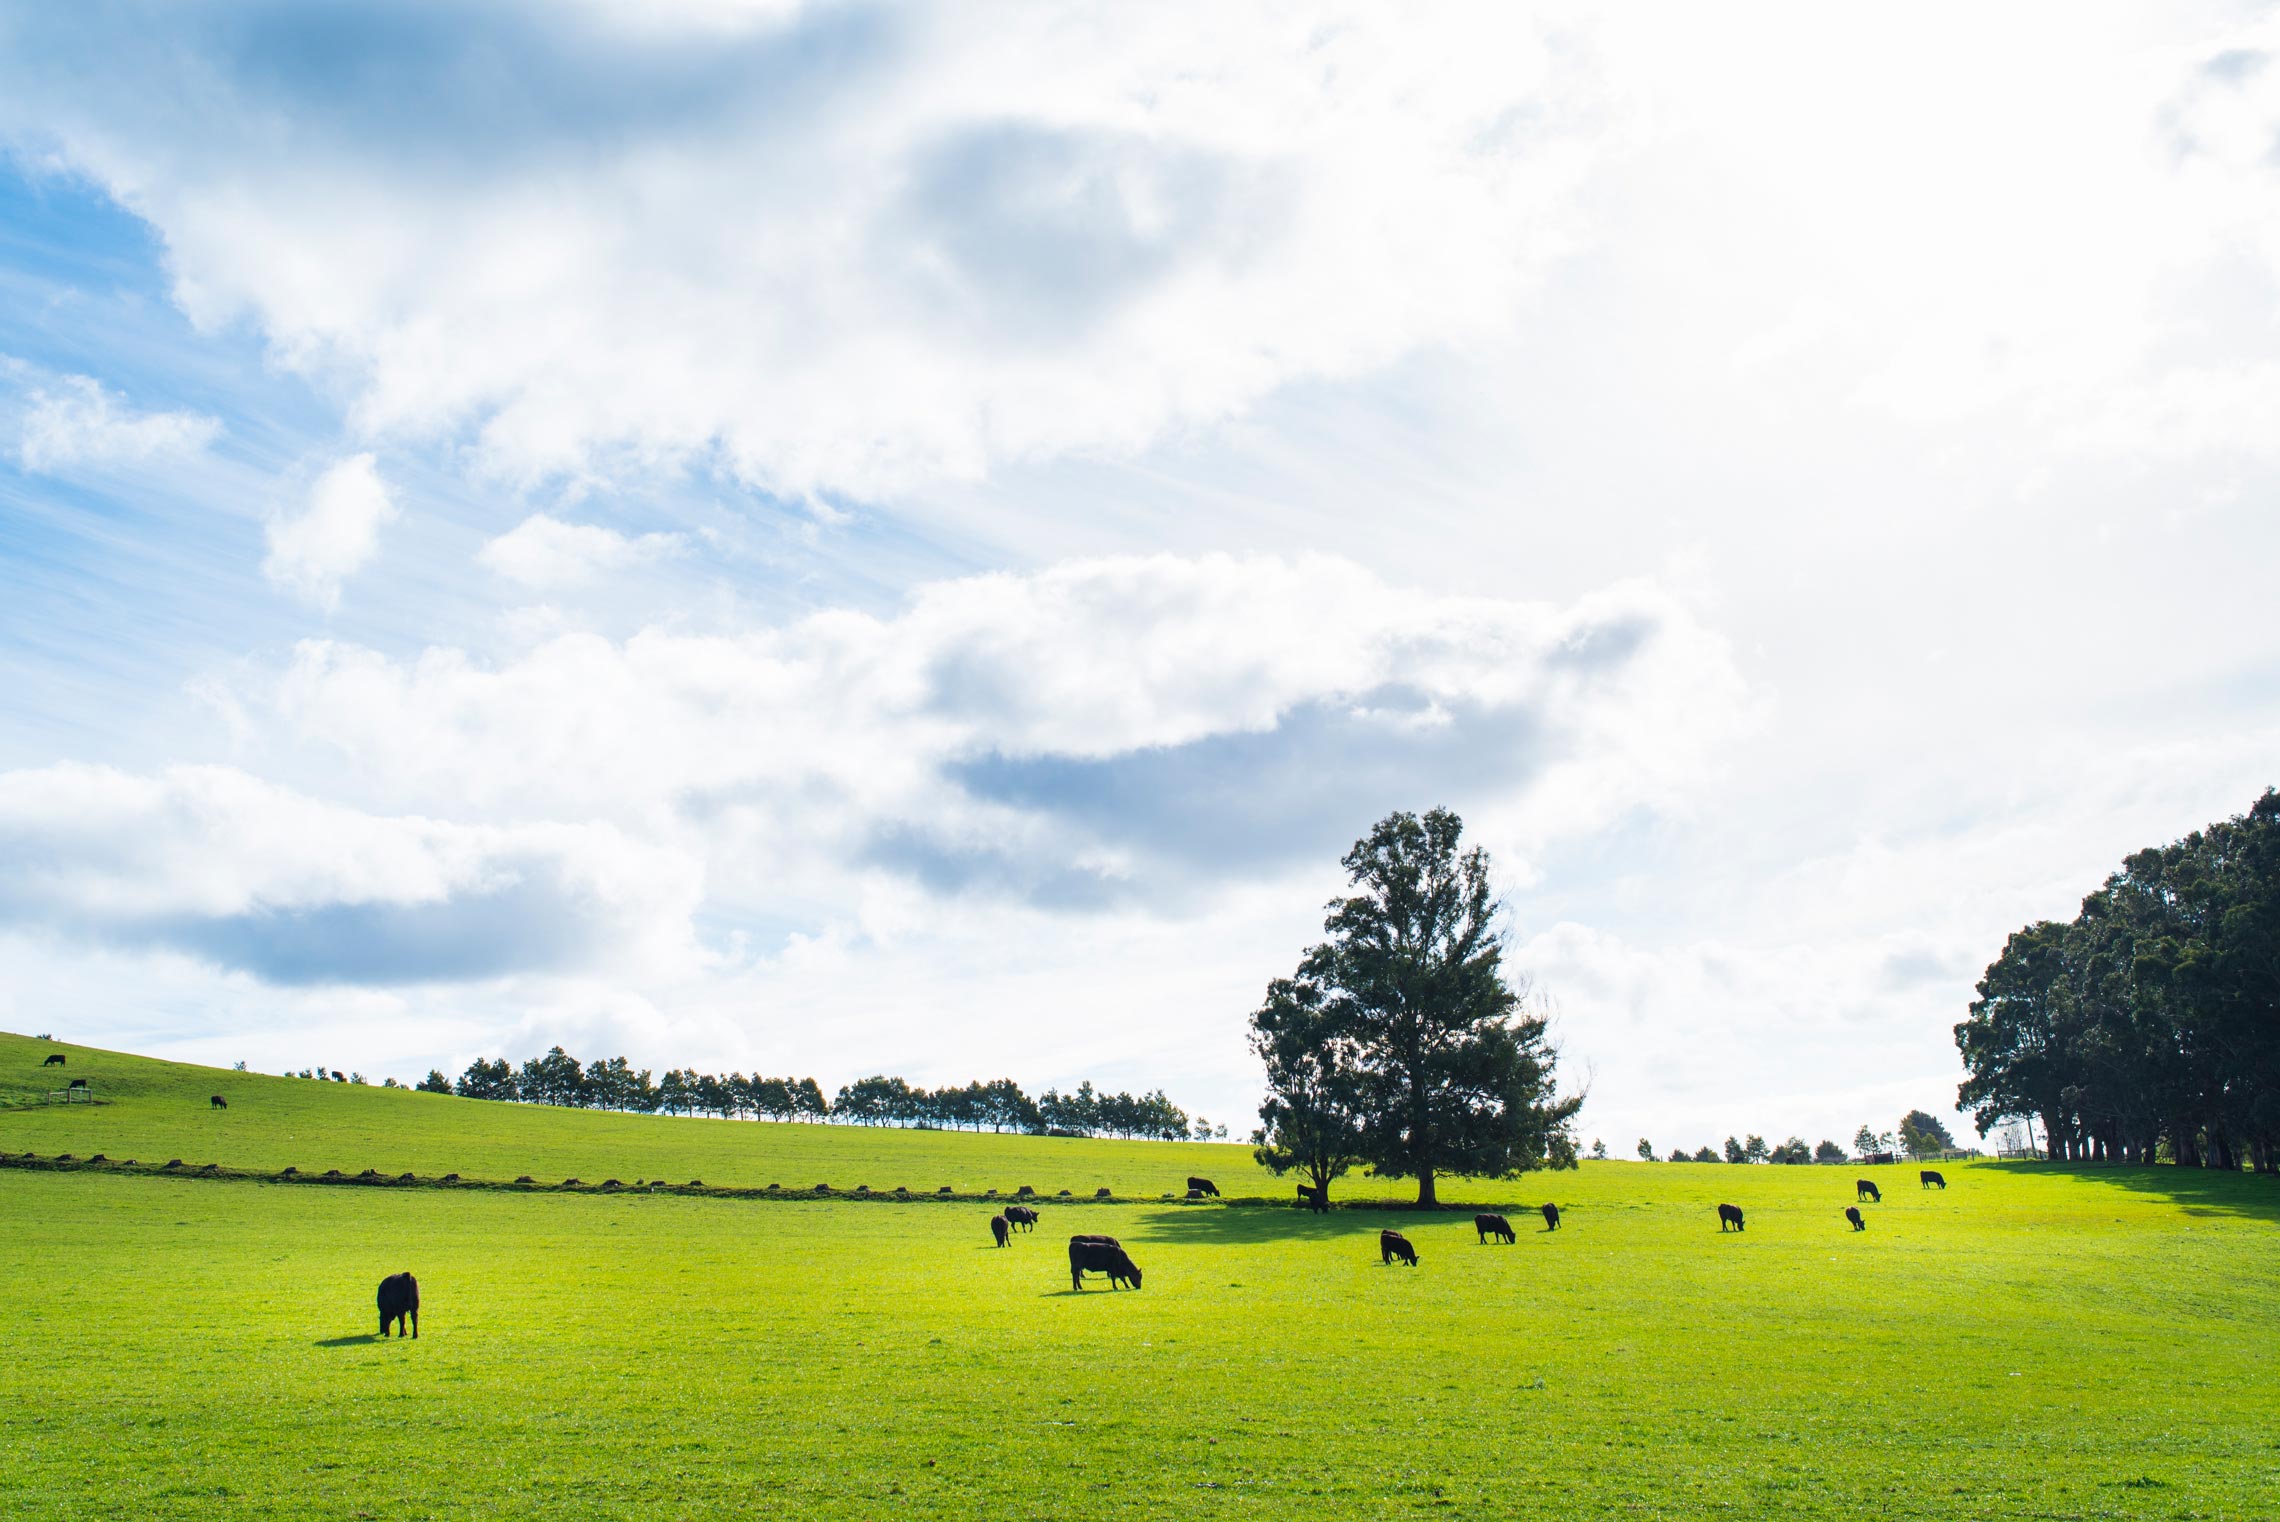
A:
[(312, 552), (1100, 727), (838, 249), (76, 422), (544, 552), (233, 870)]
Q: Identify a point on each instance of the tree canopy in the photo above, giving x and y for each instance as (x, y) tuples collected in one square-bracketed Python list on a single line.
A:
[(1438, 1063), (2149, 1024)]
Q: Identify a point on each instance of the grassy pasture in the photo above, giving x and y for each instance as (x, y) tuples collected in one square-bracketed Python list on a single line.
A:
[(157, 1110), (2031, 1343)]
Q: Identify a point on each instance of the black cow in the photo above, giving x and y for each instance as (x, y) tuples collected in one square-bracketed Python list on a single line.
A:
[(76, 1083), (1021, 1216), (1729, 1215), (54, 1060), (399, 1298), (217, 1101), (1000, 1230), (1317, 1199), (1101, 1255), (1494, 1226), (1551, 1216), (1931, 1179), (1852, 1214), (1392, 1244), (1865, 1189), (1203, 1186)]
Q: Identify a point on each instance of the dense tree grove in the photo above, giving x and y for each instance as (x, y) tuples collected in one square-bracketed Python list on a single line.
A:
[(614, 1084), (2148, 1026)]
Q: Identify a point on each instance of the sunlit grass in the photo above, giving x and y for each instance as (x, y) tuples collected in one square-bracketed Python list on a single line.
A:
[(2028, 1343)]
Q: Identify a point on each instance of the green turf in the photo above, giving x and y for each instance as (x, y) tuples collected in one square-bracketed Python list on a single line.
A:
[(156, 1110), (2030, 1343)]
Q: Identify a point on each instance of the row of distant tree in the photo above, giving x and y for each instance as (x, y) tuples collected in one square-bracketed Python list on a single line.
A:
[(1919, 1135), (612, 1083), (2147, 1027)]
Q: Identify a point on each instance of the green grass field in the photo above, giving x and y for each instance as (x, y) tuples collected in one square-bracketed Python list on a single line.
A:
[(2031, 1343)]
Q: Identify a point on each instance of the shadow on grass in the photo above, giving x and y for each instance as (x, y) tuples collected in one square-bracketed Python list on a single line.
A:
[(2196, 1191), (1244, 1226), (348, 1342)]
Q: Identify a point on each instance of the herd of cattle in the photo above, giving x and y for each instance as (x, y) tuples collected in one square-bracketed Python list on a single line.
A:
[(1105, 1255)]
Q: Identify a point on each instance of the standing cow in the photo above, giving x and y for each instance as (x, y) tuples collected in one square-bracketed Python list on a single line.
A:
[(1494, 1226), (1021, 1216), (1392, 1244), (1865, 1189), (1000, 1230), (1932, 1180), (1852, 1214), (1203, 1186), (217, 1101), (1316, 1199), (1101, 1255), (1729, 1216), (1551, 1216), (399, 1298)]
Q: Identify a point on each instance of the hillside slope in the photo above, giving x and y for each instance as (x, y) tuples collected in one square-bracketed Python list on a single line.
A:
[(152, 1109)]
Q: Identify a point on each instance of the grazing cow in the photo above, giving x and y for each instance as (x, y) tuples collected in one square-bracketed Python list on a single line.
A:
[(54, 1060), (1021, 1216), (1392, 1244), (1865, 1189), (1203, 1186), (1101, 1255), (1551, 1216), (399, 1298), (1000, 1230), (1931, 1179), (76, 1083), (1729, 1215), (1496, 1226), (217, 1101), (338, 1077), (1852, 1214)]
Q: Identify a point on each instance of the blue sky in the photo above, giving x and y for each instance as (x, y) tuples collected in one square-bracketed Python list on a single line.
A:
[(828, 538)]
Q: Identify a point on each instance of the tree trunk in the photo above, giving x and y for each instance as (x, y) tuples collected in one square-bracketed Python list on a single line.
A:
[(1425, 1197)]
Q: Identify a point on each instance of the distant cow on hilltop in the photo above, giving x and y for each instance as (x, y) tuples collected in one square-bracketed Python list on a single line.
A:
[(399, 1298), (54, 1060)]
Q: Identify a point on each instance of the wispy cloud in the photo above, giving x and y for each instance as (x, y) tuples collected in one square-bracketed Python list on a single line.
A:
[(544, 552), (312, 551), (74, 422)]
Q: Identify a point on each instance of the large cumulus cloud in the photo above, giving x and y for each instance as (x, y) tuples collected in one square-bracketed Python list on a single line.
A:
[(211, 862), (833, 247)]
